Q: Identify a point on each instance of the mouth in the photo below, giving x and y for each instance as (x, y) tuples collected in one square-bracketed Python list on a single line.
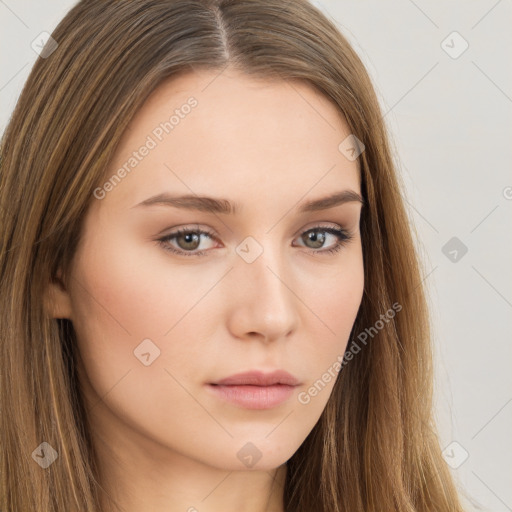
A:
[(255, 390)]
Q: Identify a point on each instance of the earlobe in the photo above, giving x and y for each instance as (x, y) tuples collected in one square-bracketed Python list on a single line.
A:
[(57, 299)]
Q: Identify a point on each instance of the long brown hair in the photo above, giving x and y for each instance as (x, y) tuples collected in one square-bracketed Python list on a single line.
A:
[(375, 446)]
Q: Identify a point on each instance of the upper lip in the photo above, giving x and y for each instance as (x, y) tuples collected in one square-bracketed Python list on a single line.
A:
[(259, 378)]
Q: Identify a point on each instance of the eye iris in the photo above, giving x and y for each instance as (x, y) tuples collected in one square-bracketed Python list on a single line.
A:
[(317, 237), (192, 238)]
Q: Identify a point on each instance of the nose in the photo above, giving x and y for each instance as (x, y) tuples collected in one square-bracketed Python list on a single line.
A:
[(263, 305)]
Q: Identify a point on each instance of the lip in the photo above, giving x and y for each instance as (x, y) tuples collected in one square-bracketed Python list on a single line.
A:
[(255, 389), (259, 378)]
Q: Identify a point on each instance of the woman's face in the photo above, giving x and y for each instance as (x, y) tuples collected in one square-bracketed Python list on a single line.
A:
[(253, 284)]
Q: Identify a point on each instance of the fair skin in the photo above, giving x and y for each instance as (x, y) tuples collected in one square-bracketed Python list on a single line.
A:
[(165, 442)]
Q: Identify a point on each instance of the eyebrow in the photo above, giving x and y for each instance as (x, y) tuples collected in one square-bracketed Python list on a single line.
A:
[(223, 206)]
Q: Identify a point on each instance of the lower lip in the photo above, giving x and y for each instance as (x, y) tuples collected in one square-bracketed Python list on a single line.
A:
[(254, 397)]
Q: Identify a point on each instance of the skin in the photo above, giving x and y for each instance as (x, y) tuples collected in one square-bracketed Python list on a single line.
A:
[(164, 442)]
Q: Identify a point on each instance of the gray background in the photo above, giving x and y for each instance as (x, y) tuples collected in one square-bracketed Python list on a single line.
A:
[(450, 116)]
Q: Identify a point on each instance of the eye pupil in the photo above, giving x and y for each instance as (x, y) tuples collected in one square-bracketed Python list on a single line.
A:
[(317, 237), (192, 238)]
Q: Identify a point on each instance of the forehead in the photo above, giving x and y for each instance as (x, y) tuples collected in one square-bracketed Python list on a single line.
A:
[(228, 134)]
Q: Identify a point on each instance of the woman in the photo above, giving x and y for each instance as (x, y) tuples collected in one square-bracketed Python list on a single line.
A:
[(211, 297)]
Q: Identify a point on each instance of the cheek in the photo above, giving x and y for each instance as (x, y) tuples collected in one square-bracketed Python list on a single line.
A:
[(119, 303), (114, 306), (339, 294), (126, 292), (335, 307), (129, 290)]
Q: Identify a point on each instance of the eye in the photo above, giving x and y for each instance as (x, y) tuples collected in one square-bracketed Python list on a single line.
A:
[(317, 237), (188, 240)]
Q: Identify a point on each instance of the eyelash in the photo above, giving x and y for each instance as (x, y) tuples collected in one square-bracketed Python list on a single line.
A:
[(343, 236)]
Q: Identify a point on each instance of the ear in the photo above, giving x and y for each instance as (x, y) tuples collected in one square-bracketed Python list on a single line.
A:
[(57, 299)]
